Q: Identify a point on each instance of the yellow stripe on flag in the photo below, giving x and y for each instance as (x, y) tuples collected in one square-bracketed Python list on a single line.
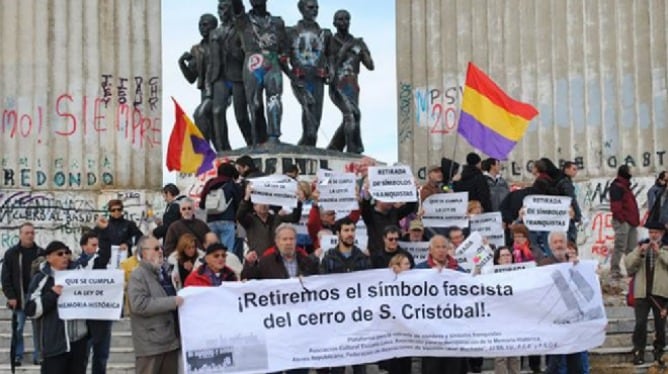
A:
[(190, 161), (508, 125)]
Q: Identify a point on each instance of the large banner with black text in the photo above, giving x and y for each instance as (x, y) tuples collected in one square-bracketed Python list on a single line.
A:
[(364, 317)]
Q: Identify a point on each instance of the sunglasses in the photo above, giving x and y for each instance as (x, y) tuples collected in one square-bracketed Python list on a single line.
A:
[(187, 208), (156, 248), (218, 255), (116, 210), (392, 239), (62, 253)]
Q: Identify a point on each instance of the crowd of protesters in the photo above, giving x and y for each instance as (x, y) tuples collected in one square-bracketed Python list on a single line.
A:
[(239, 240)]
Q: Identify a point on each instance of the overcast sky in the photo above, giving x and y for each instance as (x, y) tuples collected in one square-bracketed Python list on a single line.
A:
[(373, 20)]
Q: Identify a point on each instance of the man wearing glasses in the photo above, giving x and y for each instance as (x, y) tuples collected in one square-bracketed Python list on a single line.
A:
[(188, 224), (15, 280), (153, 303), (381, 259), (117, 229)]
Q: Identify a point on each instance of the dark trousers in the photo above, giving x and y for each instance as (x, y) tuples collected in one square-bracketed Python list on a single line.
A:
[(72, 362), (357, 369), (475, 364), (641, 309), (400, 365), (100, 343), (443, 365), (534, 363), (572, 361)]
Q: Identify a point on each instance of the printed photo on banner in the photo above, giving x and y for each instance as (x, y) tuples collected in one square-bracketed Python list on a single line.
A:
[(244, 324), (473, 252), (90, 294), (278, 190), (509, 267), (118, 255), (446, 210), (547, 213), (490, 227), (392, 184), (338, 192), (419, 250)]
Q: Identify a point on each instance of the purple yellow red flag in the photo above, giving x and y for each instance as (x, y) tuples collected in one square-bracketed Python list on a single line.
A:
[(188, 151), (490, 120)]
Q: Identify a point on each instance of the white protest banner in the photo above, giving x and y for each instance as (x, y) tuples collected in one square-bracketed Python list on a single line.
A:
[(509, 267), (331, 241), (338, 192), (547, 213), (279, 190), (392, 184), (446, 210), (376, 314), (472, 252), (490, 226), (90, 294), (419, 250)]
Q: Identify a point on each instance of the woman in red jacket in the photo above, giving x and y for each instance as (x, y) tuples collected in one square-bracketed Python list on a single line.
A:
[(213, 272)]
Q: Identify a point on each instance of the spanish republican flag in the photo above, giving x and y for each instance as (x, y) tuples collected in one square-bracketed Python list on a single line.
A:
[(490, 120), (188, 151)]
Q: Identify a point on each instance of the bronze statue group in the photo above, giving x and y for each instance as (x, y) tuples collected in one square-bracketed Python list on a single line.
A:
[(246, 54)]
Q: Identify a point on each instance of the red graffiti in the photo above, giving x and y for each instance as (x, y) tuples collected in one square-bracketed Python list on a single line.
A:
[(84, 116)]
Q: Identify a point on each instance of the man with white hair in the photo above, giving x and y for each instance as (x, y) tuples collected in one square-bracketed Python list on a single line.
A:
[(153, 302), (558, 243), (283, 261), (188, 224)]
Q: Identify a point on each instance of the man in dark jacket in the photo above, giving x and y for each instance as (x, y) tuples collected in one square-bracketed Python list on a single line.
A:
[(473, 181), (120, 231), (172, 213), (566, 187), (94, 256), (227, 192), (498, 187), (260, 223), (62, 343), (282, 262), (344, 258), (16, 274), (391, 237), (625, 218), (188, 224), (380, 215)]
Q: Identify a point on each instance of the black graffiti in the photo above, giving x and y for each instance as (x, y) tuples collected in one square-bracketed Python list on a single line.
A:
[(25, 206), (646, 159), (307, 166), (28, 178), (599, 193)]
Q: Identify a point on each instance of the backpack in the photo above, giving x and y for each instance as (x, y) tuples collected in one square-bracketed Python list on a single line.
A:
[(216, 202)]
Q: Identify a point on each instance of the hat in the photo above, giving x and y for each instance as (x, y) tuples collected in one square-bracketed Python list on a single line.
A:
[(55, 246), (215, 247), (473, 159), (434, 168), (415, 224), (450, 168), (654, 225)]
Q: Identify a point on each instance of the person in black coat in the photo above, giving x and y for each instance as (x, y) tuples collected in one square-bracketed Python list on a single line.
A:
[(120, 231), (473, 181), (172, 213)]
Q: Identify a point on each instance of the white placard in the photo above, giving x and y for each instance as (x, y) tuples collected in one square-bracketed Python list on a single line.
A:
[(392, 184), (419, 250), (338, 192), (547, 213), (276, 189), (303, 220), (472, 252), (90, 294), (509, 267), (446, 210), (117, 256), (377, 314), (331, 241), (490, 226)]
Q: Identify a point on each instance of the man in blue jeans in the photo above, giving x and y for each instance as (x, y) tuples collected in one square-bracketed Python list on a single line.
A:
[(16, 274)]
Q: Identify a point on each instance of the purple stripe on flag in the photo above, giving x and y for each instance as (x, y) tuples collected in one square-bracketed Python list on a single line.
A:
[(483, 138), (203, 147)]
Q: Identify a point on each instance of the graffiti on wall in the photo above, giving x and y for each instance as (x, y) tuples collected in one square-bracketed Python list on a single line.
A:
[(436, 108), (65, 216)]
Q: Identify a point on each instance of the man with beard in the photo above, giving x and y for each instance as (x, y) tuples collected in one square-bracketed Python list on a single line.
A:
[(625, 218), (344, 258), (153, 302)]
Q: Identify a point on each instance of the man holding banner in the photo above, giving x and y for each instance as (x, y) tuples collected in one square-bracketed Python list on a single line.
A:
[(62, 343)]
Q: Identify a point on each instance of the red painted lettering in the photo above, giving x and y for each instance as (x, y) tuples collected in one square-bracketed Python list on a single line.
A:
[(73, 127)]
